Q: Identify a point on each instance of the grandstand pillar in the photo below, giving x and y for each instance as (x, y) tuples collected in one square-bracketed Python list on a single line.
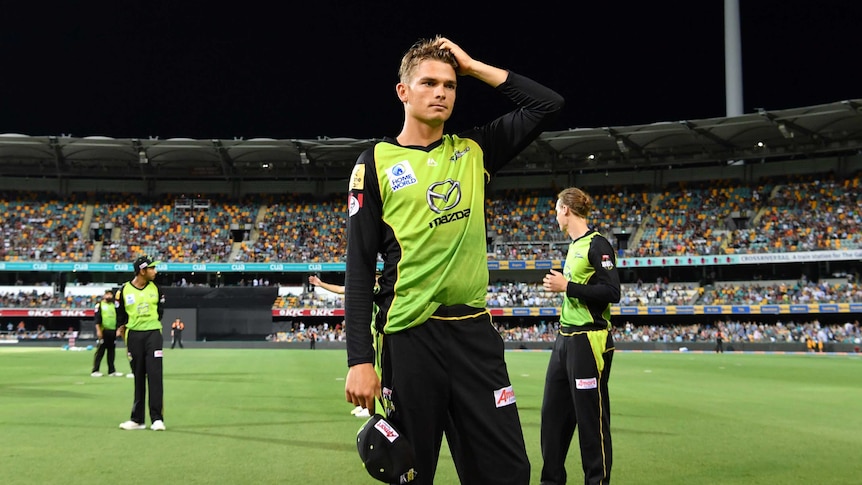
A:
[(63, 187), (61, 282), (843, 169), (622, 235)]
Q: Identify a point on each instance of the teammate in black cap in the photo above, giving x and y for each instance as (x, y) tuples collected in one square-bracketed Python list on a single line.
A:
[(140, 305), (106, 333)]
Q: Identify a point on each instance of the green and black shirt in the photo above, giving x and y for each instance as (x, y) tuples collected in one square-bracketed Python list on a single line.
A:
[(594, 283), (106, 315), (422, 208), (140, 309)]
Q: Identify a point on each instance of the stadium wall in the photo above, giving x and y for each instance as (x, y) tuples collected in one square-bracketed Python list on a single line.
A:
[(652, 177), (233, 313), (157, 187), (729, 347), (748, 173)]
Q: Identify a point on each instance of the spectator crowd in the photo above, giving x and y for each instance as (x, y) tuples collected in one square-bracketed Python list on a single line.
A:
[(719, 217)]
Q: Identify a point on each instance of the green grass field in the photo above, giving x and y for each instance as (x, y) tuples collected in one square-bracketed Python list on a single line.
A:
[(279, 416)]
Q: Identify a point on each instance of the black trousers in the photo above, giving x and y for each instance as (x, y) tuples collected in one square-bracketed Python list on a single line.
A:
[(107, 345), (576, 395), (449, 375), (178, 338), (145, 351)]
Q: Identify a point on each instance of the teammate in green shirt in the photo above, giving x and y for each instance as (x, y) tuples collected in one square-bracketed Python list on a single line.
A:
[(140, 305), (418, 201), (106, 333), (576, 383)]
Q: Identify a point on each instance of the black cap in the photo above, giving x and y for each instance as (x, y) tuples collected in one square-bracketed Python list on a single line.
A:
[(385, 452), (144, 262)]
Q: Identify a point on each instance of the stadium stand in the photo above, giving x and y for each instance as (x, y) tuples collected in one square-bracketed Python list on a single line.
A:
[(290, 228), (763, 242), (726, 218)]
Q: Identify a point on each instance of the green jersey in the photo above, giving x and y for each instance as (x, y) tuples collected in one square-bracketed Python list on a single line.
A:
[(140, 309), (442, 222), (593, 283), (422, 210), (106, 315)]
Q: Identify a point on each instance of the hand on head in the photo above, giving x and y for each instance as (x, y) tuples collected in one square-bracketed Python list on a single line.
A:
[(463, 59)]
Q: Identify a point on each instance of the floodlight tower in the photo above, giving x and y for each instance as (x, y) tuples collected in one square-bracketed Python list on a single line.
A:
[(732, 59)]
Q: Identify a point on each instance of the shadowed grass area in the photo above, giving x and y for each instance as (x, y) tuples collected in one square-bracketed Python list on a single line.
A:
[(279, 416)]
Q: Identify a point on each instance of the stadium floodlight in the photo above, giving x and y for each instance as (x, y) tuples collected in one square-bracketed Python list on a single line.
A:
[(622, 145), (785, 132)]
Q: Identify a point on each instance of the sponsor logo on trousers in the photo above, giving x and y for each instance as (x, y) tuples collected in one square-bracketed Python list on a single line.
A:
[(504, 396)]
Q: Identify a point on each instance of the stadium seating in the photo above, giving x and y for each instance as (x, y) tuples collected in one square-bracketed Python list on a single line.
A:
[(727, 217), (788, 214)]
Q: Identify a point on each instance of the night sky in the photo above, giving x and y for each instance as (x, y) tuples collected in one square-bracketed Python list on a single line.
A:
[(309, 69)]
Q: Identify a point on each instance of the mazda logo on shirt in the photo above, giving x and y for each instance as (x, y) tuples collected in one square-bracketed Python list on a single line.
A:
[(442, 196)]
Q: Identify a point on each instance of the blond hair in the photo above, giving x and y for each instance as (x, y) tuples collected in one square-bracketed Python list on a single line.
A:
[(424, 50), (577, 201)]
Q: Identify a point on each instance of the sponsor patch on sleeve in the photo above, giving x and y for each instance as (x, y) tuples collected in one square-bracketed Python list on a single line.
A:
[(607, 263), (357, 178), (157, 354), (354, 203), (504, 396)]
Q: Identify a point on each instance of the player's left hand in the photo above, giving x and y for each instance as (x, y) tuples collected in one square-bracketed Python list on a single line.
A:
[(362, 386)]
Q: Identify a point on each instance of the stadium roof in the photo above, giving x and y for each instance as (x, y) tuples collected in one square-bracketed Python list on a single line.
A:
[(808, 132)]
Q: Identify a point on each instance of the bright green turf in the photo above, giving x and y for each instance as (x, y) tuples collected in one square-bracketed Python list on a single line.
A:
[(279, 416)]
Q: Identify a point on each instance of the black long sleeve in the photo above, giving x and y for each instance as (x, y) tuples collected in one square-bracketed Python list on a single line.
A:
[(122, 315), (604, 285)]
